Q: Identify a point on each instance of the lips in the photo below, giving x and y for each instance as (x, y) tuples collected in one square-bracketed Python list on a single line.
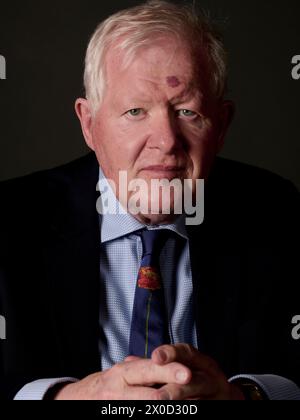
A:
[(163, 172), (163, 168)]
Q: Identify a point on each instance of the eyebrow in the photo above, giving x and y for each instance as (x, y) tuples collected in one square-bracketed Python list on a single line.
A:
[(138, 99), (185, 95)]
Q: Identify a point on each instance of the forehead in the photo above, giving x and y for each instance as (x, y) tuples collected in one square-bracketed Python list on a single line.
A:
[(166, 62)]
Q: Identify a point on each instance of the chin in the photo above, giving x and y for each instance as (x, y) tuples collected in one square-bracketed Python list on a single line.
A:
[(156, 219), (160, 205)]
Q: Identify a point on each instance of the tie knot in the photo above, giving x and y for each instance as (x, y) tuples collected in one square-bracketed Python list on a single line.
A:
[(153, 241)]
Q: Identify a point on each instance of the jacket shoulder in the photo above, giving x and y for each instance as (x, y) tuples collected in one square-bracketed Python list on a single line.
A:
[(239, 173), (68, 170), (248, 199), (28, 200), (248, 181)]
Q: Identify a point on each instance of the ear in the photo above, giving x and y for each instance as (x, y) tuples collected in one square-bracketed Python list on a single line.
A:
[(83, 111), (226, 112)]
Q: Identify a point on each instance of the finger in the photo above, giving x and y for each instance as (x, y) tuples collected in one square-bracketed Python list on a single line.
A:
[(145, 372), (131, 358), (141, 393), (201, 387), (185, 354)]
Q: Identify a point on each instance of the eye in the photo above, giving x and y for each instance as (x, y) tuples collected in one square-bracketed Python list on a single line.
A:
[(186, 113), (135, 112)]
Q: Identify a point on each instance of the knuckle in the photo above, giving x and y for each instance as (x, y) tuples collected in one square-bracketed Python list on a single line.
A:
[(118, 373), (147, 368), (117, 368), (187, 349), (170, 351)]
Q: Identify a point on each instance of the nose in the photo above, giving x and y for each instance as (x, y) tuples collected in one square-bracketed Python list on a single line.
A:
[(165, 133)]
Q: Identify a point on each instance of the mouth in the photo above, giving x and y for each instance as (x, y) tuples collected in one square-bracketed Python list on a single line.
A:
[(168, 172), (165, 169)]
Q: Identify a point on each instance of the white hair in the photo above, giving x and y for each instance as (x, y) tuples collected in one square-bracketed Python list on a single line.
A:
[(138, 26)]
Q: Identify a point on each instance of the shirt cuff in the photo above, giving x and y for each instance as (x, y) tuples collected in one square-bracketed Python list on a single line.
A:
[(275, 387), (36, 390)]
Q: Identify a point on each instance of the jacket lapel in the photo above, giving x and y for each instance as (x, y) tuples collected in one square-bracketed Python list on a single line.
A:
[(216, 271), (72, 266)]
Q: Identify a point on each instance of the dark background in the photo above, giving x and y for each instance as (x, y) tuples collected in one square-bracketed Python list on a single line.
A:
[(44, 44)]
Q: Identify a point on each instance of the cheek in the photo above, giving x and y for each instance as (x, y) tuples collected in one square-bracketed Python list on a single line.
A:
[(131, 139), (117, 147), (202, 146)]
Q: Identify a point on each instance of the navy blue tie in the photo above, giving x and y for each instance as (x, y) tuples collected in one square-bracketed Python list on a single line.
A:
[(149, 324)]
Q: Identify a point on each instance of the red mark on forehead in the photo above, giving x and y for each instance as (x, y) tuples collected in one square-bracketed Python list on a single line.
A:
[(173, 81)]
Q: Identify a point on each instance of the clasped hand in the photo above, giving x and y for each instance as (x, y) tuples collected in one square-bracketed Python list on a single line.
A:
[(174, 372)]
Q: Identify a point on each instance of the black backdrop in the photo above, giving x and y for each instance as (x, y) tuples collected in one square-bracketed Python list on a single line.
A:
[(44, 43)]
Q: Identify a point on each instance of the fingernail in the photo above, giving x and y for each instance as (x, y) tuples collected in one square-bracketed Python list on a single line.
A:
[(164, 395), (162, 356), (181, 376)]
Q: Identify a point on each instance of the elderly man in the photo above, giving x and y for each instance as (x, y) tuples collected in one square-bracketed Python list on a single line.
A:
[(213, 319)]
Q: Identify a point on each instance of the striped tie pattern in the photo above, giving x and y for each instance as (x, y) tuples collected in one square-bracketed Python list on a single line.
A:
[(149, 325)]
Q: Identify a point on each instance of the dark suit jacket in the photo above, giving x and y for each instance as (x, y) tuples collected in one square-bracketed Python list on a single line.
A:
[(244, 260)]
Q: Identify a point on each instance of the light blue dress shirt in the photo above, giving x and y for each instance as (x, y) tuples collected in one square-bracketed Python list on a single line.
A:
[(121, 254), (120, 258)]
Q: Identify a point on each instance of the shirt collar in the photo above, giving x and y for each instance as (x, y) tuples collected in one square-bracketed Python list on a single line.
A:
[(115, 226)]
